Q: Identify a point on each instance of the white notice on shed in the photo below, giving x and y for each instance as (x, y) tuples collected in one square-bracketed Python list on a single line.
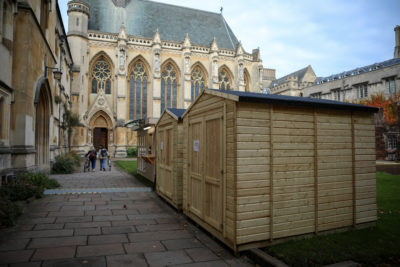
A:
[(196, 144), (161, 145)]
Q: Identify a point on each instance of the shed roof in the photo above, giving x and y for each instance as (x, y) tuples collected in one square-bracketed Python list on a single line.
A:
[(177, 113), (141, 18), (283, 100)]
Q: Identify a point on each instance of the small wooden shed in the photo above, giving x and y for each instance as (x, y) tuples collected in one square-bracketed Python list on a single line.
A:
[(169, 151), (146, 154), (259, 167)]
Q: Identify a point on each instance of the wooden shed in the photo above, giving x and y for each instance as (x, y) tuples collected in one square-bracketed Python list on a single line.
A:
[(259, 168), (169, 151), (146, 154)]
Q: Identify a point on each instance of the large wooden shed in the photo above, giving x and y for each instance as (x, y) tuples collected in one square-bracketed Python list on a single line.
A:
[(169, 151), (259, 167)]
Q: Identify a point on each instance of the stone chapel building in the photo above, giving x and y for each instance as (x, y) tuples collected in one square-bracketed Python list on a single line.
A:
[(134, 58)]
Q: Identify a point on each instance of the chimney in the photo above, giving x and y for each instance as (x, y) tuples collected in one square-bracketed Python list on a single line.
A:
[(397, 47)]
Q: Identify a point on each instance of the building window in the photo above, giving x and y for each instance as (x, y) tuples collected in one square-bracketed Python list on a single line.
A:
[(138, 92), (198, 82), (3, 8), (77, 21), (246, 82), (390, 86), (336, 94), (316, 95), (391, 141), (101, 77), (44, 14), (224, 80), (169, 87), (362, 90)]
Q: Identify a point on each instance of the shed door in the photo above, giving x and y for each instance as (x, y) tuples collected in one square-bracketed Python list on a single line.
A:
[(206, 168), (195, 196), (213, 171), (166, 161)]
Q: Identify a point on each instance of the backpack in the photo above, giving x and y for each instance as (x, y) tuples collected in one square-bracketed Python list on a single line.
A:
[(92, 155), (104, 152)]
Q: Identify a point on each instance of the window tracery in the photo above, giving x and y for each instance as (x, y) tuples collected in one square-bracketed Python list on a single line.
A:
[(224, 80), (198, 82), (138, 92), (169, 87), (101, 77)]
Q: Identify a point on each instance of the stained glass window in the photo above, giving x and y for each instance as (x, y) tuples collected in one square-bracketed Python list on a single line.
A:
[(198, 82), (224, 80), (101, 77), (169, 87), (138, 92), (246, 82)]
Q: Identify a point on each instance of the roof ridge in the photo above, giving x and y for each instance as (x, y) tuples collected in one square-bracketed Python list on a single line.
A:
[(182, 7)]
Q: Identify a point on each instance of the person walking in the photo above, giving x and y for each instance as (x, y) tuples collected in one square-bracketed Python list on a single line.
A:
[(103, 155), (92, 154)]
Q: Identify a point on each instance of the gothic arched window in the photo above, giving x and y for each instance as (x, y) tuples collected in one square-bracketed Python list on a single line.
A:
[(169, 87), (198, 82), (138, 92), (101, 77), (224, 80), (246, 82)]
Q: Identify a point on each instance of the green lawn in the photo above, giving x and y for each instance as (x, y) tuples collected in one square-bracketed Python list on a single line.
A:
[(371, 247), (131, 168)]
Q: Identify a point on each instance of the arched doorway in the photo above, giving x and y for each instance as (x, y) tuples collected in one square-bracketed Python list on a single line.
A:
[(42, 128), (101, 126)]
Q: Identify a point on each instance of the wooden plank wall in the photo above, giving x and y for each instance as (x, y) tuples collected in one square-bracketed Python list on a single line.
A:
[(335, 179), (178, 164), (203, 107), (320, 179), (365, 168), (293, 171), (253, 172)]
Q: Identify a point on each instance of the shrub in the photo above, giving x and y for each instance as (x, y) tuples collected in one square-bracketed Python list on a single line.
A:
[(132, 152), (9, 211), (20, 191), (65, 163), (38, 179)]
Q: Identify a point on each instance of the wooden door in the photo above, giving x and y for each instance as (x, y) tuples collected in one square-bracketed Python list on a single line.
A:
[(100, 137), (213, 171), (195, 183), (166, 161)]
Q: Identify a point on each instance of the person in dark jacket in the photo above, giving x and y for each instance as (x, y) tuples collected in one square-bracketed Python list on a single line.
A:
[(92, 154)]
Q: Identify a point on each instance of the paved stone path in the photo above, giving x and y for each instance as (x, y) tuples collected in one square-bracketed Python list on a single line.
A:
[(108, 229)]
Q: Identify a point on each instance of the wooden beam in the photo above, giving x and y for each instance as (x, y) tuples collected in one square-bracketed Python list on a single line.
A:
[(353, 167), (316, 169), (271, 169)]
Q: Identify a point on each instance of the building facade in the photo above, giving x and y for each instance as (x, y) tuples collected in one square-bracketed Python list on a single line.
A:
[(33, 51), (359, 84), (292, 84), (135, 58)]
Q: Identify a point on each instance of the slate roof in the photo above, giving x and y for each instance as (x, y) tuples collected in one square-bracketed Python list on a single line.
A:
[(142, 18), (299, 74), (293, 100), (177, 112), (357, 71)]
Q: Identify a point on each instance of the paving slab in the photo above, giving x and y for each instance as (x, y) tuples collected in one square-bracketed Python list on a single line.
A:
[(118, 230), (182, 243), (54, 253), (58, 242), (167, 258), (143, 247), (27, 264), (13, 244), (100, 250), (81, 262), (107, 239), (15, 256), (126, 260), (201, 254)]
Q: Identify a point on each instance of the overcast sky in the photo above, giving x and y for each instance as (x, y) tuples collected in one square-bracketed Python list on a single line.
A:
[(330, 35)]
